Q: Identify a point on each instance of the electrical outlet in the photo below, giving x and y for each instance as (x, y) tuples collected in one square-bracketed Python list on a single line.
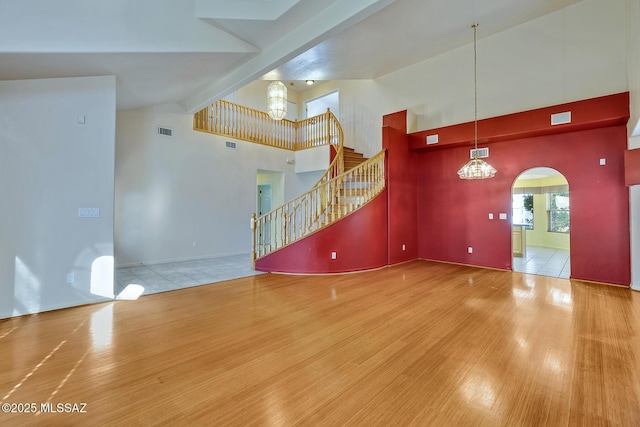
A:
[(71, 278), (194, 244), (334, 255), (470, 250), (404, 247)]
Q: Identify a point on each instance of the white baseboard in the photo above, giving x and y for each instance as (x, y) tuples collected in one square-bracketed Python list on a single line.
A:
[(165, 261)]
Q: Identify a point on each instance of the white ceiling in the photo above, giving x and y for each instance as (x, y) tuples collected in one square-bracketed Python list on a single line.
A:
[(193, 51), (537, 173)]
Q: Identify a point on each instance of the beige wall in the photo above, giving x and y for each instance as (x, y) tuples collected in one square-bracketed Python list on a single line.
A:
[(540, 236)]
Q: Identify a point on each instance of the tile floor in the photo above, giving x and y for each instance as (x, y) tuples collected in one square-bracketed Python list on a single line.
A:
[(177, 275), (544, 262)]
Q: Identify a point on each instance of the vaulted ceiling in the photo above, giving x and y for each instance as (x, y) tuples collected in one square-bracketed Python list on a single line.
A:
[(193, 51)]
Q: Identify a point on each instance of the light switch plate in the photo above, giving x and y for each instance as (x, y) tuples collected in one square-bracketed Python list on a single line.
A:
[(603, 162), (503, 216), (490, 216)]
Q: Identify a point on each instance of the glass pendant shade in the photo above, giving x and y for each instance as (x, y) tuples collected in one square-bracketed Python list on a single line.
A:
[(477, 169), (277, 100)]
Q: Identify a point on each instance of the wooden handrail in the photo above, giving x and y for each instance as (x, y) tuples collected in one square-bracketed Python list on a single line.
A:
[(248, 124), (318, 207)]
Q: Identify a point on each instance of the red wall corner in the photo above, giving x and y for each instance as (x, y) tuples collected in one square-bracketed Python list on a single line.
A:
[(396, 120), (401, 172), (632, 167)]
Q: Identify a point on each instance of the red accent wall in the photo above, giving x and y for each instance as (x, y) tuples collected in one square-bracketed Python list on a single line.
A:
[(603, 111), (453, 213), (359, 239), (632, 167), (401, 175)]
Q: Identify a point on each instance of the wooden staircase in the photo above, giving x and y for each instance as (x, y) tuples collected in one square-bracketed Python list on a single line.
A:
[(349, 182), (351, 158)]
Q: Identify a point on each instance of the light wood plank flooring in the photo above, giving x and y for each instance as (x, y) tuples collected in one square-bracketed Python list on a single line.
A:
[(417, 344)]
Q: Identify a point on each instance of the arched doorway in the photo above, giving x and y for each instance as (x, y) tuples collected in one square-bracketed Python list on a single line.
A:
[(541, 223)]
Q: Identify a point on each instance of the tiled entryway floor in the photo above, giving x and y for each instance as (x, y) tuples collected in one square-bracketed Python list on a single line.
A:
[(544, 262), (177, 275)]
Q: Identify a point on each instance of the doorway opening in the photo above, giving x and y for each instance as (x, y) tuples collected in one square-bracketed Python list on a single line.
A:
[(319, 105), (270, 190), (541, 223), (269, 195)]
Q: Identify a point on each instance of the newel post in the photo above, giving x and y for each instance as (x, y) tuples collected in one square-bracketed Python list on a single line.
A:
[(253, 241)]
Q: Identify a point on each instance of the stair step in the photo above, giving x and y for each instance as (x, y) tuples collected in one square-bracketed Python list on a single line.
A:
[(351, 158), (352, 155)]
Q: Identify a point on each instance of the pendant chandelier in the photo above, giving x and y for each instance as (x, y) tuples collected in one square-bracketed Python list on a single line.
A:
[(277, 100), (476, 168)]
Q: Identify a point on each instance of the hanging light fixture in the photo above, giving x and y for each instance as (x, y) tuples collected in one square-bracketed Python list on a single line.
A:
[(476, 168), (277, 100)]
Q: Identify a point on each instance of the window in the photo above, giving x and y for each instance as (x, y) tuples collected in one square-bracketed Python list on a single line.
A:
[(558, 211), (522, 210)]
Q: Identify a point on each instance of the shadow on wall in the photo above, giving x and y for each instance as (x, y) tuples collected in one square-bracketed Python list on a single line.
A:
[(34, 294)]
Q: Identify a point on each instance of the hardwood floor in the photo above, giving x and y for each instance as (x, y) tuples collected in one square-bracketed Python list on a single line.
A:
[(417, 344)]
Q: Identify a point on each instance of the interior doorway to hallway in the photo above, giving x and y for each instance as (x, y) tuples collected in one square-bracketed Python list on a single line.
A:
[(541, 223), (319, 105)]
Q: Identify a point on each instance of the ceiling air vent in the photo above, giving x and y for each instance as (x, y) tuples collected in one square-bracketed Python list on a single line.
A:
[(231, 145), (483, 153), (165, 131)]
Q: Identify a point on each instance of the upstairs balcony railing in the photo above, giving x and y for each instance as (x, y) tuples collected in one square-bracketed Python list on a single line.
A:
[(248, 124)]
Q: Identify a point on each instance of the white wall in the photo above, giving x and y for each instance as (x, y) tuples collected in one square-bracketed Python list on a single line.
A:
[(633, 71), (51, 165), (578, 52), (634, 212), (634, 193), (173, 191), (313, 159), (633, 61), (575, 53), (360, 112)]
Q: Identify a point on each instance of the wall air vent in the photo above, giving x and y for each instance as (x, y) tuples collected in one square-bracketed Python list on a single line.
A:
[(561, 118), (231, 145), (432, 139), (165, 131), (483, 153)]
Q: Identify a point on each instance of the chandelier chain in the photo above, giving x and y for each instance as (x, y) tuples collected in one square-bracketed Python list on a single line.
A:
[(475, 89)]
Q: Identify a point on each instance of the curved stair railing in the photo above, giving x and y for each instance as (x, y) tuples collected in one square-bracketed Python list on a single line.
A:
[(336, 194), (321, 206)]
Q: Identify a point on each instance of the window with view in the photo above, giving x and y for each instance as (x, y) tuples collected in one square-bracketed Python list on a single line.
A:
[(558, 212), (522, 210)]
